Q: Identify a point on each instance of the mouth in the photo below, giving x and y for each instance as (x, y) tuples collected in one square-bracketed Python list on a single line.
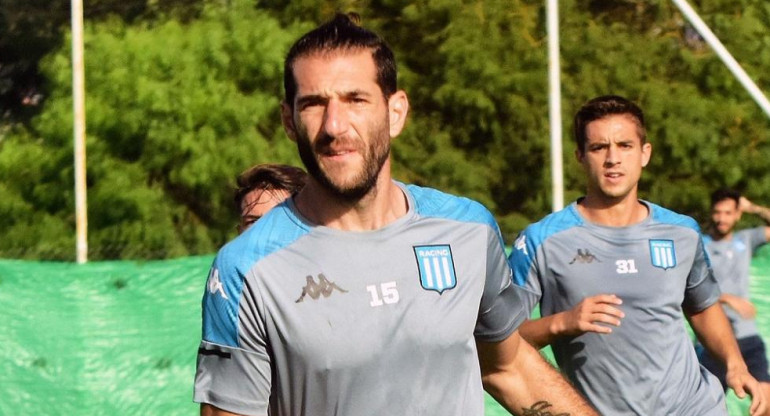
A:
[(338, 155), (340, 152)]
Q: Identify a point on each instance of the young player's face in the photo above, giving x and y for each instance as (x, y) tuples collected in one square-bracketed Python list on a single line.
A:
[(256, 204), (613, 157), (724, 215), (341, 121)]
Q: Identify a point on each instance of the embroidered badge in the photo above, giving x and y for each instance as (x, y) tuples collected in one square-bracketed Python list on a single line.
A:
[(437, 269), (662, 253)]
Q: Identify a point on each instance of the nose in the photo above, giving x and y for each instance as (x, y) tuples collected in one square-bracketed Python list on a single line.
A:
[(612, 157), (336, 119)]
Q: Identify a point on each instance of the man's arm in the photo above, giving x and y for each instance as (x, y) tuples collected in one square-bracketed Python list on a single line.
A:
[(209, 410), (520, 379), (758, 210), (586, 316), (744, 307), (714, 332)]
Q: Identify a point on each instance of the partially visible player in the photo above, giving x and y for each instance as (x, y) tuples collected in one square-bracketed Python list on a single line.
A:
[(730, 252), (262, 187), (362, 295), (616, 276)]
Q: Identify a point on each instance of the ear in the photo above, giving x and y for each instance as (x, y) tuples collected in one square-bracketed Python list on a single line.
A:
[(398, 108), (646, 153), (579, 156), (287, 119)]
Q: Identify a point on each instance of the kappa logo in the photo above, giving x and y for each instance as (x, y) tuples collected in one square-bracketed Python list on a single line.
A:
[(436, 267), (521, 244), (662, 253), (315, 290), (215, 285), (584, 256)]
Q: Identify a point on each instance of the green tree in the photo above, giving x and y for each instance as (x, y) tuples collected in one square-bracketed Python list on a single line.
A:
[(175, 111), (177, 105)]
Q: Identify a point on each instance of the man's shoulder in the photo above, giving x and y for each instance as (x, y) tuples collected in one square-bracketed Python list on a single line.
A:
[(748, 232), (552, 224), (431, 202), (666, 216), (276, 230), (753, 237)]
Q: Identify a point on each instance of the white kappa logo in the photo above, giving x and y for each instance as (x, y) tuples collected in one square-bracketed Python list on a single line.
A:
[(215, 285)]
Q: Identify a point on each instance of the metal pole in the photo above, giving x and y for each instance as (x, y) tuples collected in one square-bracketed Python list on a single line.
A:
[(79, 130), (554, 105), (726, 57)]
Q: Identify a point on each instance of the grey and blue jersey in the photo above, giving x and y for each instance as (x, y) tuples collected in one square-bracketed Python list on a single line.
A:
[(658, 267), (731, 261), (307, 320)]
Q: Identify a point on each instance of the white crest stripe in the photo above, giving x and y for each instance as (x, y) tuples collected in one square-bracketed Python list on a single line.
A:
[(670, 257), (437, 269), (428, 274), (447, 274)]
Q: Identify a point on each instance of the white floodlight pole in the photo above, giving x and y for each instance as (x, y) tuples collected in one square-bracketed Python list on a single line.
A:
[(726, 57), (79, 132), (554, 105)]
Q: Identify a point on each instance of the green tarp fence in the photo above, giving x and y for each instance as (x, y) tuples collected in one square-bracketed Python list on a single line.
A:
[(120, 338)]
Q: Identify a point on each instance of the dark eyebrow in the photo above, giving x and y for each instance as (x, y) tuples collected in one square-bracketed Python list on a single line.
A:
[(310, 99), (356, 93), (320, 99)]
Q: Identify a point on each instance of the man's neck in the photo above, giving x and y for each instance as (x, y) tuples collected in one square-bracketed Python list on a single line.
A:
[(611, 212), (384, 204)]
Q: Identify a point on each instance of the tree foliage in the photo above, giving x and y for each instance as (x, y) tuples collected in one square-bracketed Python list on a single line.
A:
[(174, 111), (177, 105)]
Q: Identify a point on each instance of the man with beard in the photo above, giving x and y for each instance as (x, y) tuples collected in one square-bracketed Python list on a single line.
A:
[(362, 295), (616, 277), (730, 252)]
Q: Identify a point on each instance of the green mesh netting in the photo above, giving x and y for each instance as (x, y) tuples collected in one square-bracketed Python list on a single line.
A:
[(120, 338), (112, 338)]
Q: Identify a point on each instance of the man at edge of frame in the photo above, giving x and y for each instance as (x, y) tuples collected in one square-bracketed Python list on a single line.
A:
[(616, 276)]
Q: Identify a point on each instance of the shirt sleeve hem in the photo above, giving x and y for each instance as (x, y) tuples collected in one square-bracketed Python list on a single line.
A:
[(230, 404)]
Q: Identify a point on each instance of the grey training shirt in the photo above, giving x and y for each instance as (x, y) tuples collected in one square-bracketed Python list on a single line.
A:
[(308, 320), (647, 365), (731, 261)]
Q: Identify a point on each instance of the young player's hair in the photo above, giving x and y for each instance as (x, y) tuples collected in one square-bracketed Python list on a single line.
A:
[(724, 193), (341, 34), (269, 177), (605, 106)]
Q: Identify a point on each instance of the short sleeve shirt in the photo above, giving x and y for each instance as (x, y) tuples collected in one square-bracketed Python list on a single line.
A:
[(647, 365), (307, 320), (731, 260)]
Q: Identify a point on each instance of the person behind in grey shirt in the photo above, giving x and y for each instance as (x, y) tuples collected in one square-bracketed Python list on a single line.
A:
[(361, 295), (730, 252), (616, 276)]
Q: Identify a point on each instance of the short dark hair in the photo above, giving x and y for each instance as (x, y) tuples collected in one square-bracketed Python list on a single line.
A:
[(725, 193), (269, 177), (604, 106), (342, 33)]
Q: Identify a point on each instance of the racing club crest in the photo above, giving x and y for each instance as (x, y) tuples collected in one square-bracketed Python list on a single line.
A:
[(437, 269), (662, 253)]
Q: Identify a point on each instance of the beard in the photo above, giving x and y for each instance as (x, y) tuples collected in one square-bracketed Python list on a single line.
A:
[(375, 156)]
